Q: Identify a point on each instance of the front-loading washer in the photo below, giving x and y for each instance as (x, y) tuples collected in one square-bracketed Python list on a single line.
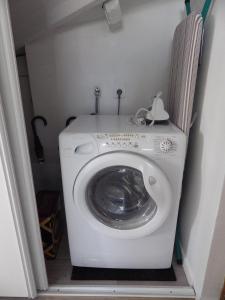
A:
[(122, 187)]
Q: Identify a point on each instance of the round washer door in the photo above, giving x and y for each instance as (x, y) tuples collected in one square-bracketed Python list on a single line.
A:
[(123, 195)]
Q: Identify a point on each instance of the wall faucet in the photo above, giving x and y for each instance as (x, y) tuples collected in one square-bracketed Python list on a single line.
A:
[(97, 93)]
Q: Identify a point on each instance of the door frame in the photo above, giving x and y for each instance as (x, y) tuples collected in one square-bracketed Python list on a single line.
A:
[(12, 101), (16, 140), (8, 171)]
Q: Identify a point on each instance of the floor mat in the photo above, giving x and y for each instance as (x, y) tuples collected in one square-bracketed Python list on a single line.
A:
[(80, 273)]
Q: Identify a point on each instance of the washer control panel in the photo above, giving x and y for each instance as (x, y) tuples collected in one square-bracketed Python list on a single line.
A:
[(136, 142), (121, 140)]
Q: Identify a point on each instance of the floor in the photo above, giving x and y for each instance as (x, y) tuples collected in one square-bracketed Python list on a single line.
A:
[(59, 271)]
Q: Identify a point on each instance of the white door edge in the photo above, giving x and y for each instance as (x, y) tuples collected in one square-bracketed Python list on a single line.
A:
[(6, 158), (13, 112), (120, 291)]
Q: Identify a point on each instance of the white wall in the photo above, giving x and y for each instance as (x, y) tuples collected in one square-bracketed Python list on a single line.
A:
[(205, 168), (65, 67), (32, 18), (197, 5), (28, 18), (26, 99), (215, 275), (39, 181), (59, 10)]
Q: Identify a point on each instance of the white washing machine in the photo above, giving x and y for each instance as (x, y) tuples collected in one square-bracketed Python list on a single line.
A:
[(122, 186)]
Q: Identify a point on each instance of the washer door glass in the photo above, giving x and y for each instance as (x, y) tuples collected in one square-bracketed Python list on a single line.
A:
[(117, 197)]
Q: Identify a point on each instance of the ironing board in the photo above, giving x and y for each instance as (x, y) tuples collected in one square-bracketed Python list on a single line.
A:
[(183, 74), (184, 66)]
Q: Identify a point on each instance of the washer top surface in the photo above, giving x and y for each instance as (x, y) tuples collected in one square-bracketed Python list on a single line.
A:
[(114, 124)]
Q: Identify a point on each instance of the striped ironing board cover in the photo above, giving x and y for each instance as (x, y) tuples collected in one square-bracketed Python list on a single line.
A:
[(184, 66)]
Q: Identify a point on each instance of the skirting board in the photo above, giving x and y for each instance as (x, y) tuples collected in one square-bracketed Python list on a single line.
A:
[(120, 291)]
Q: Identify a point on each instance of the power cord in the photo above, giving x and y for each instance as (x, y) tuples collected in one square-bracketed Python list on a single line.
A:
[(144, 120), (155, 112), (119, 94)]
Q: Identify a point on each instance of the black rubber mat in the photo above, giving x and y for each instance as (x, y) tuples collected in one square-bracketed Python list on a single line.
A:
[(80, 273)]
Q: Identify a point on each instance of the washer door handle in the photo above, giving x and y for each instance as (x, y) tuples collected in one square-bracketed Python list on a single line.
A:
[(86, 148), (152, 180), (158, 187)]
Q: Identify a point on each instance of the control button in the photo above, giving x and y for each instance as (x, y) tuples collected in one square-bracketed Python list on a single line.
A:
[(166, 145)]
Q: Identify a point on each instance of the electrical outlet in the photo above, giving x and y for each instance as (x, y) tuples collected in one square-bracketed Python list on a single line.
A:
[(116, 87)]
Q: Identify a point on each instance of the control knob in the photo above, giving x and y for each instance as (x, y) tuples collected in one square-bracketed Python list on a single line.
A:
[(166, 145)]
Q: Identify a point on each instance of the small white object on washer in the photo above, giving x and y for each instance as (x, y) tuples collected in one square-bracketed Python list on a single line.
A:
[(122, 186)]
